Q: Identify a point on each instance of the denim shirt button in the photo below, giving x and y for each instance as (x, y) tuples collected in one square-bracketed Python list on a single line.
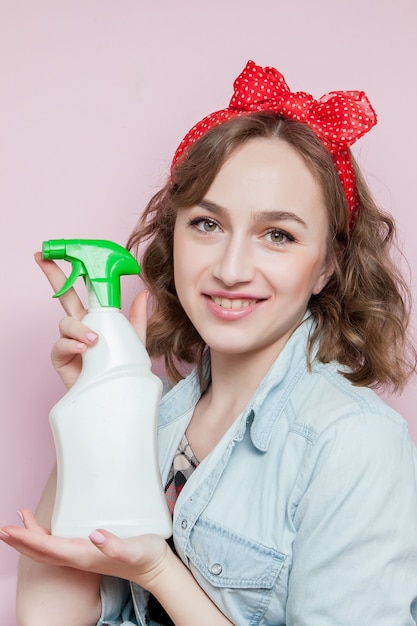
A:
[(184, 524), (216, 569)]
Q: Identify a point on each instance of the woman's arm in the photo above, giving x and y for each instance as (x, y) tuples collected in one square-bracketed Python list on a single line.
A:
[(355, 553), (48, 595), (183, 599), (63, 582)]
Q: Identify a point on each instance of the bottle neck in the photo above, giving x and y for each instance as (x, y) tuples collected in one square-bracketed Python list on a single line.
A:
[(93, 303)]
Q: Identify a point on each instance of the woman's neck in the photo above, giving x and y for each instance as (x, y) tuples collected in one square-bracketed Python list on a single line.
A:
[(234, 380)]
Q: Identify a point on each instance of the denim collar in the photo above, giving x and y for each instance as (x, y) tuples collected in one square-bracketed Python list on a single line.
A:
[(266, 405)]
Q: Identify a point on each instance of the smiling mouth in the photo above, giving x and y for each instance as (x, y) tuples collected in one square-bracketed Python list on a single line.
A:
[(236, 303)]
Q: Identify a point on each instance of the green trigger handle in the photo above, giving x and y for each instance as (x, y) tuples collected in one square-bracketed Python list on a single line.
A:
[(102, 262), (78, 269)]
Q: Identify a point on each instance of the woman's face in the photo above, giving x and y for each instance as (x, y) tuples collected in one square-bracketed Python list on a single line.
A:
[(248, 257)]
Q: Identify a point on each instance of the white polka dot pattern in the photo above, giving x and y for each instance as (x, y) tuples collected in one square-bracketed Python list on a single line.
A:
[(338, 118)]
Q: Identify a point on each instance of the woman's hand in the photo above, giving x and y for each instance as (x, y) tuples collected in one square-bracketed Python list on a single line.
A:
[(76, 337), (141, 559), (146, 560)]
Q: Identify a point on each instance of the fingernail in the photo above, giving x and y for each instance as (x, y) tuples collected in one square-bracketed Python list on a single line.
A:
[(97, 537), (91, 336), (4, 535), (80, 345), (20, 514)]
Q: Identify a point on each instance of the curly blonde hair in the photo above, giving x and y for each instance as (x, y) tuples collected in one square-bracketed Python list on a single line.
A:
[(363, 312)]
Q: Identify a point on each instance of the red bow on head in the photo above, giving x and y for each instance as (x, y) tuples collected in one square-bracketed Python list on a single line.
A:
[(338, 118)]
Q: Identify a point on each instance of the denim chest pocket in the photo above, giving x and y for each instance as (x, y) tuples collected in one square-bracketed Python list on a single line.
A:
[(227, 559)]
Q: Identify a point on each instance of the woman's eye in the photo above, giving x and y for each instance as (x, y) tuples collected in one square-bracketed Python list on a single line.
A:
[(209, 225), (278, 236), (205, 225)]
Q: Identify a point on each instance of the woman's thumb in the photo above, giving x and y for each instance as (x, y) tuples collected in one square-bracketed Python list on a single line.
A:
[(109, 544), (125, 550), (138, 314)]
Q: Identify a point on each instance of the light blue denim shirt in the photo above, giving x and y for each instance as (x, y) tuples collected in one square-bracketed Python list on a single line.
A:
[(305, 513)]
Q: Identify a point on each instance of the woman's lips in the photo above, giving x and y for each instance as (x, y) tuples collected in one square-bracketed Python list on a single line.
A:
[(226, 308)]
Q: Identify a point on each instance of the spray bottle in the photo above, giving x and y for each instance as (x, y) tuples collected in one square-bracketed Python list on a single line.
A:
[(104, 427)]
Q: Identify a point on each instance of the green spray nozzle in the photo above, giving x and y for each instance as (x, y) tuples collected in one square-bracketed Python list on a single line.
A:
[(102, 261)]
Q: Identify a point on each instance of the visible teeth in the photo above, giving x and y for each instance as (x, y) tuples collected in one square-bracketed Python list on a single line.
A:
[(236, 303)]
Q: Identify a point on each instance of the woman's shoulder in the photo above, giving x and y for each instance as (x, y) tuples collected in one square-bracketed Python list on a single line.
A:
[(352, 432), (326, 399)]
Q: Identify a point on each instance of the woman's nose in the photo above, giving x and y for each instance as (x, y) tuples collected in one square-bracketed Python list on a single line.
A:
[(235, 263)]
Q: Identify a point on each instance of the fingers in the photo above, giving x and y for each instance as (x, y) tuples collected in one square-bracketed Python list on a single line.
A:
[(138, 315), (107, 543), (140, 558), (144, 553), (13, 535), (75, 338), (66, 352), (71, 328), (136, 558), (70, 301), (30, 522), (125, 550), (38, 544)]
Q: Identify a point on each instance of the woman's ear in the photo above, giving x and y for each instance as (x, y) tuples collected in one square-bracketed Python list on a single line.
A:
[(324, 277)]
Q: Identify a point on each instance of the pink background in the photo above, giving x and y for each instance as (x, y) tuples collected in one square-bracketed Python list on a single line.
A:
[(95, 96)]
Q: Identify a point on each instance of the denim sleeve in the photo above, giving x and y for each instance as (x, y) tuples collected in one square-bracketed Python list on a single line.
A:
[(117, 604), (355, 552)]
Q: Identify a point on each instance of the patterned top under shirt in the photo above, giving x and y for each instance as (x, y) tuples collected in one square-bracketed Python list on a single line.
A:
[(183, 465)]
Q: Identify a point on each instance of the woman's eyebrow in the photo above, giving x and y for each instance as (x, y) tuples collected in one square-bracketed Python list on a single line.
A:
[(278, 216), (213, 207), (260, 216)]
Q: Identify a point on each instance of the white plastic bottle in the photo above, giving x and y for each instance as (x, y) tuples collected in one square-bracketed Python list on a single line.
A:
[(105, 426)]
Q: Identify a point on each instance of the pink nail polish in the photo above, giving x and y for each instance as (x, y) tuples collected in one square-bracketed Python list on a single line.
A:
[(20, 514), (91, 336), (97, 537)]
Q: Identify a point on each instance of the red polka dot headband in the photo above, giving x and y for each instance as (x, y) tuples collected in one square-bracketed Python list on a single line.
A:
[(339, 118)]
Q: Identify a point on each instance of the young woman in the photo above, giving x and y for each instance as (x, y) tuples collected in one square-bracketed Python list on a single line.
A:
[(295, 499)]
